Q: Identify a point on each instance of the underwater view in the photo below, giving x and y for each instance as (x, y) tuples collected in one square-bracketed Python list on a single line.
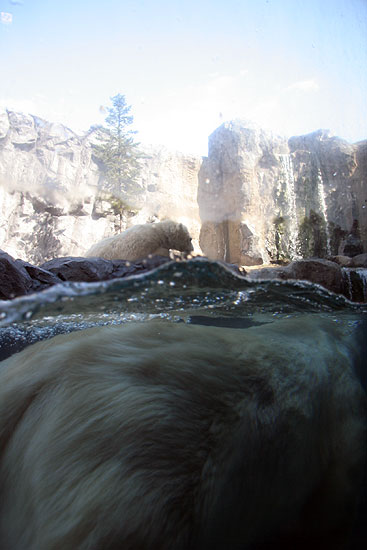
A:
[(218, 317), (196, 291)]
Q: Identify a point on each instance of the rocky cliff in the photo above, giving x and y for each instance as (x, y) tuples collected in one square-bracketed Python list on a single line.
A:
[(263, 198), (256, 198), (50, 199)]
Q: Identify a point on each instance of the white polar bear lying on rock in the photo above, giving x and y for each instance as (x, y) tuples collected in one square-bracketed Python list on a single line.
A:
[(166, 436), (139, 241)]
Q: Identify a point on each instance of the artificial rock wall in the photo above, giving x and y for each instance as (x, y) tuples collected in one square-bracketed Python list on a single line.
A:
[(256, 198), (50, 200), (264, 198)]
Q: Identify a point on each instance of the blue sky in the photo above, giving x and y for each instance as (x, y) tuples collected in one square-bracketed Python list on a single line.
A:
[(291, 66)]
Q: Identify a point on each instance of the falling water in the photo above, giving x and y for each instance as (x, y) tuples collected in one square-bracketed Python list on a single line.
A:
[(322, 207), (355, 283), (290, 205), (362, 272), (346, 271)]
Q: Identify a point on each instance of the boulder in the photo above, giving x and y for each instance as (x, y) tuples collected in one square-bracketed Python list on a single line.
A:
[(359, 261), (319, 271), (323, 272), (99, 269), (19, 278), (343, 261)]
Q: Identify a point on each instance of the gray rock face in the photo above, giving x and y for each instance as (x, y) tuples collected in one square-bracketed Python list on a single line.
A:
[(18, 277), (257, 198), (351, 282), (50, 200), (264, 199)]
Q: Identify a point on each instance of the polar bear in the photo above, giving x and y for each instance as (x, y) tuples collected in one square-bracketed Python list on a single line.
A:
[(139, 241), (167, 436)]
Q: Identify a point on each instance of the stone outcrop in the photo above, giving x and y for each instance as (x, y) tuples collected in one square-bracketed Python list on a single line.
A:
[(18, 278), (50, 191), (265, 199), (351, 282), (323, 272), (256, 199)]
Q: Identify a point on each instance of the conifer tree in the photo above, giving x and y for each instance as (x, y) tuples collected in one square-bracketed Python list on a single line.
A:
[(117, 152)]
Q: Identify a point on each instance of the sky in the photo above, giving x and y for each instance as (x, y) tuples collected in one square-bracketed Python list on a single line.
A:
[(185, 67)]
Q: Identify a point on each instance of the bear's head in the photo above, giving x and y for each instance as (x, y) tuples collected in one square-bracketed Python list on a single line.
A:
[(178, 236)]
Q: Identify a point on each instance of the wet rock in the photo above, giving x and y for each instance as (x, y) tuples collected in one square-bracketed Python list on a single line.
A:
[(99, 269), (359, 261), (352, 245), (319, 271), (18, 278), (343, 261), (14, 280), (80, 269)]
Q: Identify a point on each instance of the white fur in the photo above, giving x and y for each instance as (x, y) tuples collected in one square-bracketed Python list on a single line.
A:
[(163, 436), (139, 241)]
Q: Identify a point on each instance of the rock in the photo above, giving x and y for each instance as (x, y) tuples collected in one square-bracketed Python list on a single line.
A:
[(343, 261), (23, 133), (170, 183), (235, 196), (4, 123), (80, 269), (14, 280), (352, 247), (51, 203), (265, 199), (98, 269), (19, 278), (323, 272), (359, 261), (257, 198)]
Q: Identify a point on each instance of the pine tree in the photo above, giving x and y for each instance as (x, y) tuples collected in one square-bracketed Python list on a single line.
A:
[(117, 152)]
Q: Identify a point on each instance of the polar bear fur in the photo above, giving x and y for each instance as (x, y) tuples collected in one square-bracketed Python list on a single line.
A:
[(165, 436), (139, 241)]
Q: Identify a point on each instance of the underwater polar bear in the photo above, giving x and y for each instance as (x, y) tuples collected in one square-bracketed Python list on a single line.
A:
[(139, 241), (166, 436)]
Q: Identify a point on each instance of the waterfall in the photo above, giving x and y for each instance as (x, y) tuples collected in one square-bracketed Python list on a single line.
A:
[(355, 283), (346, 271), (362, 273), (322, 207), (287, 189)]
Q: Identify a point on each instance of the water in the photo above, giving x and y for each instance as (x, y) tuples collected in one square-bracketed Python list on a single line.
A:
[(362, 273), (323, 209), (199, 292), (356, 283), (290, 203), (176, 292)]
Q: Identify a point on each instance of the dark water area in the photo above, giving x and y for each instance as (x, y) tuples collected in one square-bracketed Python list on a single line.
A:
[(196, 292)]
